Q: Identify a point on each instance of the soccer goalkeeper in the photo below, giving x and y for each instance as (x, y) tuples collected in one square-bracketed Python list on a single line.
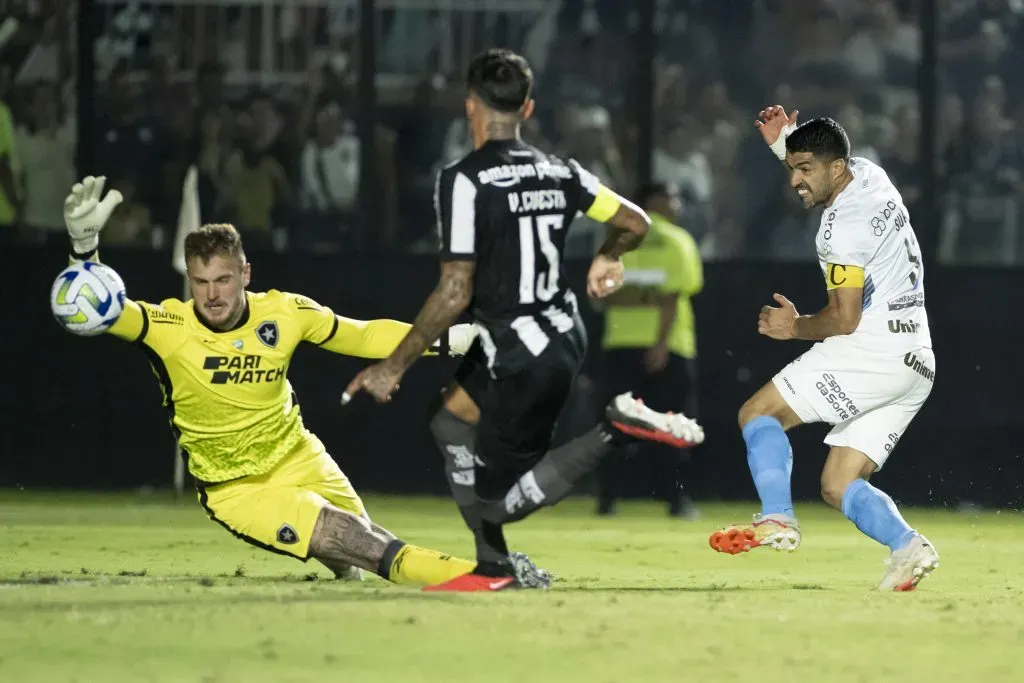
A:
[(221, 360)]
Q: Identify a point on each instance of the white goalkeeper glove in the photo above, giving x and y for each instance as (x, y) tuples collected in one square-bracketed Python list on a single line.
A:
[(85, 213), (460, 338)]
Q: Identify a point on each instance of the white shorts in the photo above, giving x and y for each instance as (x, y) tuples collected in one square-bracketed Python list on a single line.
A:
[(870, 399)]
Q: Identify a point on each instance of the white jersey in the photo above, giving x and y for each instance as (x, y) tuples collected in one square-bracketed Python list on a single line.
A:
[(869, 226)]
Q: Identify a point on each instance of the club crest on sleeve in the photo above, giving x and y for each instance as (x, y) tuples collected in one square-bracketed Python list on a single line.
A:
[(267, 333), (287, 535)]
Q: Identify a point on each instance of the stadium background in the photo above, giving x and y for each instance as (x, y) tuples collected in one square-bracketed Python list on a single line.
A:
[(652, 88)]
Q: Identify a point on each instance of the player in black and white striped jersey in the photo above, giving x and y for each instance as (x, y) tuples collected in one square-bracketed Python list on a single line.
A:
[(503, 212)]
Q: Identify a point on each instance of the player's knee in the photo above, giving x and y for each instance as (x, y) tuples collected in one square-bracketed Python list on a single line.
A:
[(752, 409), (767, 403), (832, 490)]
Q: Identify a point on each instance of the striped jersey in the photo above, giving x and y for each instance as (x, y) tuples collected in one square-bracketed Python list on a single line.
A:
[(508, 206)]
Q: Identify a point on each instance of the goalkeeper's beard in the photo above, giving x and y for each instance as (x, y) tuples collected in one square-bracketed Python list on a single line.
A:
[(222, 315)]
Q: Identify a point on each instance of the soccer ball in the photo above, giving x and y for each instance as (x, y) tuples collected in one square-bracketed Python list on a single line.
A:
[(87, 298)]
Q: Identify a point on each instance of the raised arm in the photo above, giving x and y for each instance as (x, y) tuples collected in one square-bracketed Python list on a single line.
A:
[(775, 126), (86, 211)]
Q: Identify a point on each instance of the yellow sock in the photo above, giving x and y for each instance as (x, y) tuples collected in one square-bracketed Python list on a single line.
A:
[(412, 565)]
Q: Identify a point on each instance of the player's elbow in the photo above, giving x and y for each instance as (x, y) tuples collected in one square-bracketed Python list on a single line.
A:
[(639, 222), (848, 321), (631, 218), (457, 298)]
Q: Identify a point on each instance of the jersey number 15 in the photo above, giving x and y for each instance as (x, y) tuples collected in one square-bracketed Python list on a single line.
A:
[(534, 286)]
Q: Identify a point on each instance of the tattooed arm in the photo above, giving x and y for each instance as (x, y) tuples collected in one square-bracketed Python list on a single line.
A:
[(629, 227), (447, 302), (444, 306)]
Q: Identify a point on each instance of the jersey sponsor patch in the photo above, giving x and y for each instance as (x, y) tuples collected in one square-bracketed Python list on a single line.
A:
[(268, 333), (838, 276)]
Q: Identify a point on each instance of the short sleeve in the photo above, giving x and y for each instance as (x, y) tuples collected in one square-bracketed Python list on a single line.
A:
[(455, 209), (846, 238), (595, 200)]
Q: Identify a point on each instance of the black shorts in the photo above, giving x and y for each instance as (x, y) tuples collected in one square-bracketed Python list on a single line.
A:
[(518, 411)]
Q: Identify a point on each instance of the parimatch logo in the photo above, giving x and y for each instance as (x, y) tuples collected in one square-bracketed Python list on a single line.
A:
[(240, 370)]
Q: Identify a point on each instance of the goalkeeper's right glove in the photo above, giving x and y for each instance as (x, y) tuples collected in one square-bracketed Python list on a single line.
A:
[(85, 213)]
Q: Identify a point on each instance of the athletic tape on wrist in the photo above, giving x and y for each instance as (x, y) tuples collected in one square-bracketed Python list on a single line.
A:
[(779, 146)]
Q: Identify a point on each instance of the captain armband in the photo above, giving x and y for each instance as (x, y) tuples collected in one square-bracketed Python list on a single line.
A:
[(838, 276), (606, 203)]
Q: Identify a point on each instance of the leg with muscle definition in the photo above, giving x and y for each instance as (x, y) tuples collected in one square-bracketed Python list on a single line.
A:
[(347, 572), (342, 538)]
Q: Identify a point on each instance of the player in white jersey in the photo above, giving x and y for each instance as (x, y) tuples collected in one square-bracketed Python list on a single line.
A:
[(872, 368)]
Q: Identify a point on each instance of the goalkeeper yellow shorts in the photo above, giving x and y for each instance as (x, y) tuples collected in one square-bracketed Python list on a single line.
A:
[(277, 510)]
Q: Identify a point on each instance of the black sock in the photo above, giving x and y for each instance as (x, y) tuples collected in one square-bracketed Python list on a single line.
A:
[(551, 479), (491, 550), (456, 439)]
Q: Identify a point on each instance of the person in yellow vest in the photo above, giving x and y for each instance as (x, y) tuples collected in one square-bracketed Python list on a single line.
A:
[(650, 341), (10, 201)]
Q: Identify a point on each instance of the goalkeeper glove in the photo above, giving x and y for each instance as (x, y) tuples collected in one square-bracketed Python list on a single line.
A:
[(85, 213)]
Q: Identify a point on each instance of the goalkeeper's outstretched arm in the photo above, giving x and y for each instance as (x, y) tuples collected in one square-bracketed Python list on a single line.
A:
[(85, 213), (369, 338)]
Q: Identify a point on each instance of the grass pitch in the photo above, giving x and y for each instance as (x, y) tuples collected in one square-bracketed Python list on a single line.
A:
[(115, 589)]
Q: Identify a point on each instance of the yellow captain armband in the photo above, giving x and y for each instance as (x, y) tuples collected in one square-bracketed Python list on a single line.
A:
[(606, 203), (838, 275)]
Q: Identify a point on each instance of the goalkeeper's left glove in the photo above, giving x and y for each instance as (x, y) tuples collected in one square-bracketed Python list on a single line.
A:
[(456, 340), (85, 213)]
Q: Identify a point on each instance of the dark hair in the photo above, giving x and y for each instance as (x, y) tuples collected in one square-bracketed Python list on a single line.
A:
[(823, 138), (502, 79), (648, 191), (214, 239)]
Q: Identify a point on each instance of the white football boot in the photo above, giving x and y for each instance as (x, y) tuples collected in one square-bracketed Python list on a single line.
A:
[(909, 565)]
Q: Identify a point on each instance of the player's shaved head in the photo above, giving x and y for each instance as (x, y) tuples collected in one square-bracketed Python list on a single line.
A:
[(501, 79), (215, 239)]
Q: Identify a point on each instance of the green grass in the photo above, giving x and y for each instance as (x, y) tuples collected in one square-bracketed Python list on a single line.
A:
[(124, 588)]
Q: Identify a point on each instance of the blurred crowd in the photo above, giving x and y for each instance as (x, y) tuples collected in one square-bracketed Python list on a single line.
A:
[(262, 99)]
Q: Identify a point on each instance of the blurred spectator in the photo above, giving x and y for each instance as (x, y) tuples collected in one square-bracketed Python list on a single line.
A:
[(215, 149), (680, 159), (987, 229), (210, 90), (46, 151), (885, 48), (127, 133), (266, 132), (330, 180), (130, 224), (199, 65), (901, 160), (256, 185)]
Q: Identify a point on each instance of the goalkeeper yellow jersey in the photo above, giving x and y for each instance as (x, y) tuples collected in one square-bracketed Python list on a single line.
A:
[(228, 394)]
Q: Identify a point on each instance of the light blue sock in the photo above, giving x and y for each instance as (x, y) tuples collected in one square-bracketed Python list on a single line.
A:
[(770, 458), (875, 514)]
